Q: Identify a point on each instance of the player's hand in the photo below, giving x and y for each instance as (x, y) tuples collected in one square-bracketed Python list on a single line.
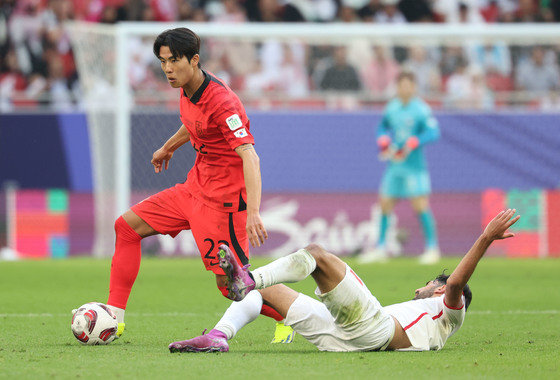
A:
[(383, 142), (386, 150), (412, 143), (498, 227), (161, 159), (255, 229)]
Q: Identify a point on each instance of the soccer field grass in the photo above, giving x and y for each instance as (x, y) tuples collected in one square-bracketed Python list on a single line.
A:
[(511, 329)]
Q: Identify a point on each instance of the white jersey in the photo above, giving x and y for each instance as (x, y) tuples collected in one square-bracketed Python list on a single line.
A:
[(428, 322), (348, 318)]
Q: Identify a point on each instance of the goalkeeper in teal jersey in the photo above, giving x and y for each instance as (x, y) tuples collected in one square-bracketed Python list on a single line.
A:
[(407, 126)]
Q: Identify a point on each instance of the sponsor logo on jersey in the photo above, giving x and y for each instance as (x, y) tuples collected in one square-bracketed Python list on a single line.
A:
[(240, 133), (234, 122)]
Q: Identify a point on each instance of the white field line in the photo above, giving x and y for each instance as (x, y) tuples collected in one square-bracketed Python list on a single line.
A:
[(132, 314)]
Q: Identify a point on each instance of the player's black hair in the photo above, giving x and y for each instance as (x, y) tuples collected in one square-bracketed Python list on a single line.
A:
[(182, 42), (406, 75), (442, 279)]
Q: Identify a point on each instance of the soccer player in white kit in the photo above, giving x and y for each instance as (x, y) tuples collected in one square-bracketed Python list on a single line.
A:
[(348, 317)]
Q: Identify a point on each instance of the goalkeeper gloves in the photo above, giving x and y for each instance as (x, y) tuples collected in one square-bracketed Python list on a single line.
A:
[(386, 150)]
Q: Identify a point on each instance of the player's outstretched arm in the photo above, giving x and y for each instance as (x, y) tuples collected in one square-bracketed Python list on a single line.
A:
[(252, 173), (495, 230), (163, 155)]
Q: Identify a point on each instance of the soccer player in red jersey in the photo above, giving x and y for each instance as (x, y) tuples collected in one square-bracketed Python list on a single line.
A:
[(220, 200)]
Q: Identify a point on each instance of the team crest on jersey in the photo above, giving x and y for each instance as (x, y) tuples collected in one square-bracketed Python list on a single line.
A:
[(240, 133), (199, 129), (234, 122)]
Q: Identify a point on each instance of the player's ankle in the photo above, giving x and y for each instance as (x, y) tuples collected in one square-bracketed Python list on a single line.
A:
[(214, 333), (118, 312)]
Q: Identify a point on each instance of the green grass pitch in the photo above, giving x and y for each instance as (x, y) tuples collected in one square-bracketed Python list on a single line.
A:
[(511, 329)]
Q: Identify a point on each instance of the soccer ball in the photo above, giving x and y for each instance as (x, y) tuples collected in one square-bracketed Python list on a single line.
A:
[(94, 323)]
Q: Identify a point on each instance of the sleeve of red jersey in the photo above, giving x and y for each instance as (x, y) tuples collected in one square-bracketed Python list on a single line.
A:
[(234, 125)]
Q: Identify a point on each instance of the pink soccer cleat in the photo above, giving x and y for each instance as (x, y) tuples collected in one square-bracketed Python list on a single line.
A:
[(240, 282), (205, 343)]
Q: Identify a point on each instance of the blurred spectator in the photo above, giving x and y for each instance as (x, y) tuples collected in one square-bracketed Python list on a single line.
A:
[(381, 73), (529, 11), (347, 14), (551, 102), (416, 10), (340, 75), (450, 59), (133, 9), (458, 84), (11, 80), (466, 88), (389, 13), (95, 10), (490, 11), (536, 75), (141, 58), (164, 10), (317, 10), (425, 70), (369, 10), (494, 10), (459, 11), (272, 11), (36, 57), (492, 58), (59, 86), (495, 61), (281, 70), (293, 79), (555, 9), (480, 96), (185, 11), (229, 11), (109, 15)]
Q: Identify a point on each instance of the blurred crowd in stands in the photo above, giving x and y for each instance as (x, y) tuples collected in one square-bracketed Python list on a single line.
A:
[(37, 67)]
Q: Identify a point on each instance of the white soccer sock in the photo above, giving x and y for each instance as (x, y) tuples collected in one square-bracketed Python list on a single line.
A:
[(118, 312), (240, 314), (291, 268)]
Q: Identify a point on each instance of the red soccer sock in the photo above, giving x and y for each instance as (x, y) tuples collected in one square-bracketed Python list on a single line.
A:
[(125, 264), (270, 312)]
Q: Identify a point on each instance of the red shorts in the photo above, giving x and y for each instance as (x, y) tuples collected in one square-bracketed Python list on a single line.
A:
[(175, 209)]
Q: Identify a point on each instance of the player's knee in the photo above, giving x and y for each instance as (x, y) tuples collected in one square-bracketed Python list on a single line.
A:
[(318, 252), (124, 231)]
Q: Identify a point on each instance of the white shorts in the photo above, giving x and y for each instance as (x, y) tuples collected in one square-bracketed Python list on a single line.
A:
[(349, 318)]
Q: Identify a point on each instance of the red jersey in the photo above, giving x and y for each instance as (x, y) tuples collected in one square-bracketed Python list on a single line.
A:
[(217, 123)]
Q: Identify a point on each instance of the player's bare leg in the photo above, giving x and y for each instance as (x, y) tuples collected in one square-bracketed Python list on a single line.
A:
[(329, 271), (130, 229), (421, 206), (379, 253)]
